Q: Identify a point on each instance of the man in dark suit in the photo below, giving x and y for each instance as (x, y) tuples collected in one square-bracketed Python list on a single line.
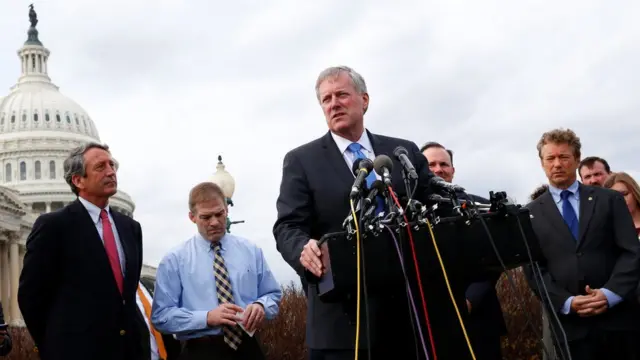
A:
[(486, 323), (5, 337), (82, 267), (314, 200), (592, 255)]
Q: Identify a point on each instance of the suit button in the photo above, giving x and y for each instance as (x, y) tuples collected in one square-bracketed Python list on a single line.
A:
[(579, 254), (122, 332)]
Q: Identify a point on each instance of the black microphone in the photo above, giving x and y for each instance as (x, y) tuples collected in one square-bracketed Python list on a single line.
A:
[(376, 188), (440, 183), (360, 169), (401, 154), (383, 166)]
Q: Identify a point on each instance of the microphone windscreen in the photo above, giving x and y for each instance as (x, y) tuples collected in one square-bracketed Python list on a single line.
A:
[(359, 164), (381, 162), (400, 150), (379, 185)]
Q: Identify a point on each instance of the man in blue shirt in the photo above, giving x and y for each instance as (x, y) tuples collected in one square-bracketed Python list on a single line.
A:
[(214, 290)]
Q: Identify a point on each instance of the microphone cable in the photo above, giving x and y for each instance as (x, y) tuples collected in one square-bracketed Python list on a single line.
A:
[(410, 294), (355, 221), (506, 272), (537, 274), (415, 262), (364, 282), (453, 299)]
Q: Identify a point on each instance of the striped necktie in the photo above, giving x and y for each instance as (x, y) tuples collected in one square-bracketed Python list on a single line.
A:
[(232, 334)]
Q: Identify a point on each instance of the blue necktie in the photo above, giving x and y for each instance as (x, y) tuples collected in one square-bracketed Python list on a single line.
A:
[(356, 149), (569, 214)]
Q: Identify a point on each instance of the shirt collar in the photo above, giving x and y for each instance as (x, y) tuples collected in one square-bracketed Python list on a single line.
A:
[(343, 143), (206, 244), (555, 192), (93, 210)]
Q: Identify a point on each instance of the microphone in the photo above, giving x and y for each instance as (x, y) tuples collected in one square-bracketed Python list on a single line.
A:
[(377, 188), (383, 166), (401, 154), (360, 169), (439, 182)]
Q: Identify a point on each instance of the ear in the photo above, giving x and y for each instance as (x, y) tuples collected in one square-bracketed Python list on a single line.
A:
[(77, 181), (192, 217), (365, 103)]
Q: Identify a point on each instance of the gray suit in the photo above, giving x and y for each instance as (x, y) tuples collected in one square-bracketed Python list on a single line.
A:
[(605, 255)]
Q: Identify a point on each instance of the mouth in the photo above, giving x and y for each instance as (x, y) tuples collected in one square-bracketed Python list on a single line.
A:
[(337, 115)]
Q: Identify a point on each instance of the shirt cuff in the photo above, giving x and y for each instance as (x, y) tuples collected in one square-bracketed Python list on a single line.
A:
[(200, 319), (612, 298), (566, 308)]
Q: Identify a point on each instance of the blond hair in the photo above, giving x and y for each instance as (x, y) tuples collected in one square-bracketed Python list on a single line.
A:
[(205, 191), (626, 179)]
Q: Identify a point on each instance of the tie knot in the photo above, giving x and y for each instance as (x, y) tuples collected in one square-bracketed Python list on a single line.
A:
[(354, 147), (103, 214), (216, 246), (565, 194)]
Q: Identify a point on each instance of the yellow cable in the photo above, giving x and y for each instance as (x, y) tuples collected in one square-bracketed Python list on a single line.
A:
[(453, 300), (355, 221)]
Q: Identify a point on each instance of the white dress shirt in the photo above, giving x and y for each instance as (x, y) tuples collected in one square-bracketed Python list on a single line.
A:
[(349, 157), (94, 212)]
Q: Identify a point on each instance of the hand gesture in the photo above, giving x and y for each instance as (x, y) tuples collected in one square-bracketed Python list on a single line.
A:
[(594, 303), (253, 317), (310, 258), (224, 314)]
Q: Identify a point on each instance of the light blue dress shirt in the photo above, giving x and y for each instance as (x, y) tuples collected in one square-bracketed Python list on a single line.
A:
[(574, 199), (185, 289), (94, 212)]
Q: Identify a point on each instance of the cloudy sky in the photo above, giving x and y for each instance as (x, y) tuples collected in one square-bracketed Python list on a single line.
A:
[(172, 84)]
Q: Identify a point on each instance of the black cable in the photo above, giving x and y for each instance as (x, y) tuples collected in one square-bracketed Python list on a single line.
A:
[(505, 270), (538, 274), (364, 279)]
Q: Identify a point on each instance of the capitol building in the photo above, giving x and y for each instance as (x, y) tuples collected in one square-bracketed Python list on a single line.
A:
[(38, 127)]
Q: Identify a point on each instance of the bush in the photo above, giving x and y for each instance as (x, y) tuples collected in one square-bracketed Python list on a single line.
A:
[(284, 337)]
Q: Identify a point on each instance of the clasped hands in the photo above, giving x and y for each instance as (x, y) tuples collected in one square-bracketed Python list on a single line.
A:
[(310, 258), (593, 303), (225, 314)]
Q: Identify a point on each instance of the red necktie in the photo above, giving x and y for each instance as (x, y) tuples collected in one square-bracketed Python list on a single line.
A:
[(110, 247)]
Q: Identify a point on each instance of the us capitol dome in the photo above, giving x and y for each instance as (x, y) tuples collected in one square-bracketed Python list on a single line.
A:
[(38, 128)]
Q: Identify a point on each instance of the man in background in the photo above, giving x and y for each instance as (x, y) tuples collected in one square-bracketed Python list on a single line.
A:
[(486, 323), (592, 254), (214, 290), (594, 170), (82, 267), (5, 338)]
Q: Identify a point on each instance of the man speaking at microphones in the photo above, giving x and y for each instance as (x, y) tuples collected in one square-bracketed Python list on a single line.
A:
[(316, 185)]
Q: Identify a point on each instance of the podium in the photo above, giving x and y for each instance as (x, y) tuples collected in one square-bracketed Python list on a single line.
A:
[(466, 253), (464, 245)]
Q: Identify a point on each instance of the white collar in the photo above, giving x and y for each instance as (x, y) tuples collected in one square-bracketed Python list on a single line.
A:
[(343, 143)]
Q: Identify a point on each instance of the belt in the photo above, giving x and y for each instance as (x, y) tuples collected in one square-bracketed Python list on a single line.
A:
[(206, 339)]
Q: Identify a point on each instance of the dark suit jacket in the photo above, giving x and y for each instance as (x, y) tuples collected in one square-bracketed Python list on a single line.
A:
[(5, 348), (313, 201), (605, 256), (68, 295), (486, 319)]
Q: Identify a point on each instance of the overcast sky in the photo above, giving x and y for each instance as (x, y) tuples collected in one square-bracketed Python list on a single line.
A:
[(172, 84)]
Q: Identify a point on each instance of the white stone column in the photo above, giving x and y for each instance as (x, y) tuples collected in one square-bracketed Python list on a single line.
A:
[(14, 258), (48, 206), (5, 272), (3, 290)]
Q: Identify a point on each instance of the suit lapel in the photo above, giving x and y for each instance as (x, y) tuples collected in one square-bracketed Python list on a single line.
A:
[(336, 159), (587, 205), (381, 147), (551, 212)]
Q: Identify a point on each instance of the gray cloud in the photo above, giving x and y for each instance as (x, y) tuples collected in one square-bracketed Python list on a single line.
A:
[(171, 85)]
